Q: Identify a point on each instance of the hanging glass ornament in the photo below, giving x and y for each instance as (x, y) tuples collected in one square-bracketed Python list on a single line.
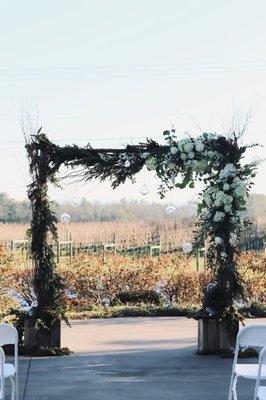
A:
[(170, 210), (144, 189), (65, 218), (187, 248)]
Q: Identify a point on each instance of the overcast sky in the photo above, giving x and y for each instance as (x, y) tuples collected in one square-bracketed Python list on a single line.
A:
[(114, 72)]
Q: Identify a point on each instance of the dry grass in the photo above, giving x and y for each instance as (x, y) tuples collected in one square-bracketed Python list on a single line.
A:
[(172, 232)]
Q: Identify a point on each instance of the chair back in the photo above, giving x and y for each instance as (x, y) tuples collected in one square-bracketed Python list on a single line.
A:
[(254, 335), (8, 334), (262, 361), (2, 375)]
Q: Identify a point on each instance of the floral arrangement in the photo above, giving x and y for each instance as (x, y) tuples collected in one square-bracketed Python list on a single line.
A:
[(215, 160)]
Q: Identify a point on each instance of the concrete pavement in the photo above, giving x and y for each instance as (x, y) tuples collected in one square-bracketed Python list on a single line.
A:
[(133, 359)]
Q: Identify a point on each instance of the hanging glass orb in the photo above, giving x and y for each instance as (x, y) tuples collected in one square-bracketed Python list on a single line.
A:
[(144, 190), (187, 248), (127, 164), (65, 218), (170, 210)]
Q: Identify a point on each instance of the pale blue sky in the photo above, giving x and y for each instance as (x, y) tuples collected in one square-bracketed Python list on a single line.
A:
[(110, 72)]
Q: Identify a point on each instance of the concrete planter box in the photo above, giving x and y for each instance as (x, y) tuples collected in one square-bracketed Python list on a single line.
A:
[(41, 338), (215, 337)]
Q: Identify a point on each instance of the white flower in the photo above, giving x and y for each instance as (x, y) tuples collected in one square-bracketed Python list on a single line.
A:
[(211, 136), (151, 163), (218, 240), (145, 155), (191, 155), (183, 156), (227, 208), (233, 238), (218, 216), (189, 163), (217, 203), (237, 180), (173, 150), (169, 141), (221, 196), (226, 187), (171, 165), (200, 165), (199, 146), (229, 199), (239, 191), (229, 170), (211, 154), (188, 147), (208, 200), (234, 220), (223, 255), (184, 142)]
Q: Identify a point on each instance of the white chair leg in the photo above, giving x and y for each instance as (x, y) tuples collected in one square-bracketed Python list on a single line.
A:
[(16, 386), (230, 394), (234, 389), (2, 391), (12, 388)]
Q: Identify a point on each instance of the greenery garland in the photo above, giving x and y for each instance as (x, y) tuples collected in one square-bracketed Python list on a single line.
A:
[(213, 159)]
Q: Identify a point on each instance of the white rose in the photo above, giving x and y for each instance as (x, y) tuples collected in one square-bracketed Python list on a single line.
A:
[(188, 147), (183, 156), (173, 150), (217, 203), (237, 180), (226, 187), (219, 216), (229, 170), (211, 154), (224, 256), (227, 208), (191, 155), (199, 146), (239, 191), (220, 195), (218, 240)]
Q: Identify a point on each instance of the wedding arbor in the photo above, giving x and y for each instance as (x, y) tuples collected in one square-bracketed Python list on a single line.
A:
[(215, 160)]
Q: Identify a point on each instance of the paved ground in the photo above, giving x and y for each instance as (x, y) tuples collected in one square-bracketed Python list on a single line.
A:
[(133, 359)]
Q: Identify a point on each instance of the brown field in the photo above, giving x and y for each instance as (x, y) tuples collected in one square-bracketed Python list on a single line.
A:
[(172, 232)]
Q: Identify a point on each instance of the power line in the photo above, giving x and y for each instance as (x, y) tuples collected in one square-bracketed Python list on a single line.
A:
[(148, 70)]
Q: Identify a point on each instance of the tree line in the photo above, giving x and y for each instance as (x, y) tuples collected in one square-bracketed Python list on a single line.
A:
[(12, 210)]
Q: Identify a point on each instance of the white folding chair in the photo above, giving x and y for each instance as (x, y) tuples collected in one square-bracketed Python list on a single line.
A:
[(260, 391), (254, 335), (9, 335)]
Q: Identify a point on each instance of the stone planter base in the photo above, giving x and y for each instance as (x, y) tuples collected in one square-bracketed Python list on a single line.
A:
[(215, 337), (41, 338)]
